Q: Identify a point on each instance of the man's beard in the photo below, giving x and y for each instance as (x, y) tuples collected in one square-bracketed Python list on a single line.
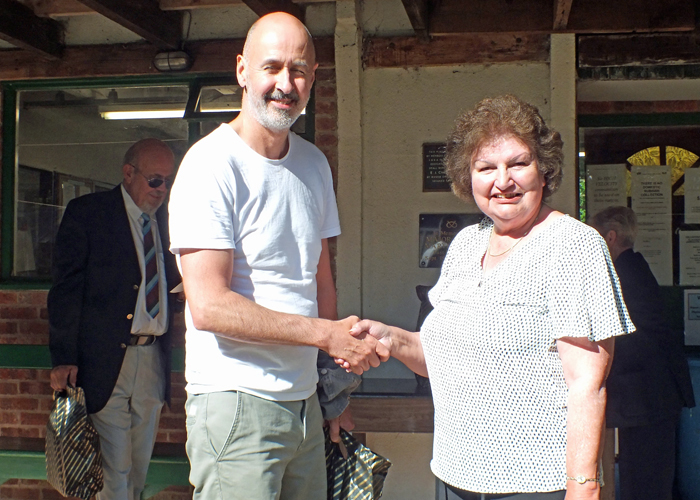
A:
[(271, 117)]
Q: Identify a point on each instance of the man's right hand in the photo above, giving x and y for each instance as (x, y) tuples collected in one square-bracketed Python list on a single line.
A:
[(63, 374), (359, 354)]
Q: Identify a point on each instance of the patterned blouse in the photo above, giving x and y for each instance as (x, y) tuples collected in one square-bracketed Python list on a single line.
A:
[(490, 346)]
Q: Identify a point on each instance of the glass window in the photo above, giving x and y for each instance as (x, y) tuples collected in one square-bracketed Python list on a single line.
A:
[(71, 142)]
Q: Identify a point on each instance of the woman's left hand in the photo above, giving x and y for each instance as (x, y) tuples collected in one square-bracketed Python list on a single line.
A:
[(575, 491)]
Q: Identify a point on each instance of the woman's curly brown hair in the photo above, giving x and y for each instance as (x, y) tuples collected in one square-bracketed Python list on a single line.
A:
[(496, 117)]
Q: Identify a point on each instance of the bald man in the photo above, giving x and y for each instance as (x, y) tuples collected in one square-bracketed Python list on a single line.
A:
[(109, 313), (251, 211)]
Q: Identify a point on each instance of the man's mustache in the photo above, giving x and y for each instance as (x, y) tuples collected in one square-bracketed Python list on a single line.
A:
[(278, 95)]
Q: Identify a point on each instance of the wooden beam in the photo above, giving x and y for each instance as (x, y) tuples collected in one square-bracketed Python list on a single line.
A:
[(22, 28), (417, 11), (451, 17), (144, 18), (405, 52), (562, 9), (620, 16), (262, 7), (639, 50), (210, 56)]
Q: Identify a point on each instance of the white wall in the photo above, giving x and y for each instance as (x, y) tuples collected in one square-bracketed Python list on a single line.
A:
[(402, 109)]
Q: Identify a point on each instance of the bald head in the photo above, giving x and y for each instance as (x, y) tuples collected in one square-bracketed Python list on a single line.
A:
[(276, 70), (282, 25)]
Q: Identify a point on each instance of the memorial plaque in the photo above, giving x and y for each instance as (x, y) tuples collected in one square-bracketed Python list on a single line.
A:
[(434, 177), (436, 232)]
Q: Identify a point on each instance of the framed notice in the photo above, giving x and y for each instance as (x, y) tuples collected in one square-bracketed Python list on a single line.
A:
[(436, 232), (434, 177), (692, 316)]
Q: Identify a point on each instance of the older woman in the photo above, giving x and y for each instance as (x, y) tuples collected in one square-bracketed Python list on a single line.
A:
[(521, 338)]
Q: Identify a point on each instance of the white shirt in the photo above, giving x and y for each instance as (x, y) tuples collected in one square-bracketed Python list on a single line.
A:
[(274, 215), (143, 324)]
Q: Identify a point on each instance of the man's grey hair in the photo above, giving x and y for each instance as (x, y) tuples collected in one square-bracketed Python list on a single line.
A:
[(622, 220)]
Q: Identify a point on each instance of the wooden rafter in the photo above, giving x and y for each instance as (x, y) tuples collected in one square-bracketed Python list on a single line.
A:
[(22, 28), (418, 12), (210, 57), (64, 8), (450, 17), (262, 7), (473, 48), (144, 18), (562, 9)]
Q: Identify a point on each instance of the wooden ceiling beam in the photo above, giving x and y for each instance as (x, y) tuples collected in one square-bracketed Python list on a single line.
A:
[(450, 17), (66, 8), (562, 10), (405, 52), (418, 14), (143, 17), (131, 59), (655, 49), (262, 7), (22, 28)]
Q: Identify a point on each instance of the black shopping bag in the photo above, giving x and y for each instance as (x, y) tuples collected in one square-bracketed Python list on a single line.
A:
[(359, 475), (73, 459)]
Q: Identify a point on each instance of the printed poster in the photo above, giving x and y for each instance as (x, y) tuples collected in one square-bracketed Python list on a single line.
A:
[(651, 201), (606, 186), (692, 195)]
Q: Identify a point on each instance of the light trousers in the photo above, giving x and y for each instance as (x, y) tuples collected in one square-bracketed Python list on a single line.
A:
[(128, 424), (242, 447)]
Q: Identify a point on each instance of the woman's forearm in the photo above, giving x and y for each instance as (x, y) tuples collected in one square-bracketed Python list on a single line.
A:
[(585, 428), (407, 348)]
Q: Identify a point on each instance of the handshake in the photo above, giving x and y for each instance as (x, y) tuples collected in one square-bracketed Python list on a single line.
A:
[(358, 345)]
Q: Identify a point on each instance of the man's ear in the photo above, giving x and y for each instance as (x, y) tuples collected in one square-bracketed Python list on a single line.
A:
[(128, 172), (241, 71), (611, 238)]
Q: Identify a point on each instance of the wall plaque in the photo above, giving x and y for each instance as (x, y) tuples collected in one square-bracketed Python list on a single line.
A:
[(434, 177), (436, 232)]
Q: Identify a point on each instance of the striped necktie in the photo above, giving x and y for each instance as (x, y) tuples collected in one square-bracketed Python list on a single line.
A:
[(149, 252)]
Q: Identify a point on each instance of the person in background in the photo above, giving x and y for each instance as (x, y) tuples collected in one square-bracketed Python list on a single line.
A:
[(526, 310), (251, 212), (649, 381), (109, 312)]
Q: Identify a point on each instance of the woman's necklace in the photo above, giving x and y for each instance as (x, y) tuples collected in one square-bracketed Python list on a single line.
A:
[(488, 249)]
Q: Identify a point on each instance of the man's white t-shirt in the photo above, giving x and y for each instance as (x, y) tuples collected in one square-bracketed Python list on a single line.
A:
[(273, 214)]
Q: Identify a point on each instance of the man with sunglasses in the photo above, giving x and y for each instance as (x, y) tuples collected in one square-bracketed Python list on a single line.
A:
[(110, 314)]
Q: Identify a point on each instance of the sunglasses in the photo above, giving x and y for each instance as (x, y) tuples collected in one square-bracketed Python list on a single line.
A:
[(154, 182)]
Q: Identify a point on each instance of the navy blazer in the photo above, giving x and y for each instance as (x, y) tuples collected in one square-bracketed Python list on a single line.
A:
[(649, 379), (96, 279)]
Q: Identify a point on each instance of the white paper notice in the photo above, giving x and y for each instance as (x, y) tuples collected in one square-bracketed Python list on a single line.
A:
[(692, 317), (691, 185), (689, 256), (606, 186), (651, 201)]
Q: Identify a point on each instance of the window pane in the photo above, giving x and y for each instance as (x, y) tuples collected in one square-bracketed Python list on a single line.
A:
[(68, 145)]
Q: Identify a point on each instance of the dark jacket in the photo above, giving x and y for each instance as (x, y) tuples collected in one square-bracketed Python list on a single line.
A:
[(649, 379), (96, 277)]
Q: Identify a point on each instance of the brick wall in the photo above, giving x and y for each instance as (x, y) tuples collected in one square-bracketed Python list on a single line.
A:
[(25, 395)]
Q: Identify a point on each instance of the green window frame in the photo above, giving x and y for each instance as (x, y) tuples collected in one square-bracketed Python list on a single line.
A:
[(10, 90)]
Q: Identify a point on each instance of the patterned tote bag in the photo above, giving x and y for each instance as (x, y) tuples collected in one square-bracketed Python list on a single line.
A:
[(354, 471), (73, 459)]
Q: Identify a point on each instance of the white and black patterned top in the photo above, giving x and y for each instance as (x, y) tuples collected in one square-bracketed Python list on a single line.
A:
[(490, 346)]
